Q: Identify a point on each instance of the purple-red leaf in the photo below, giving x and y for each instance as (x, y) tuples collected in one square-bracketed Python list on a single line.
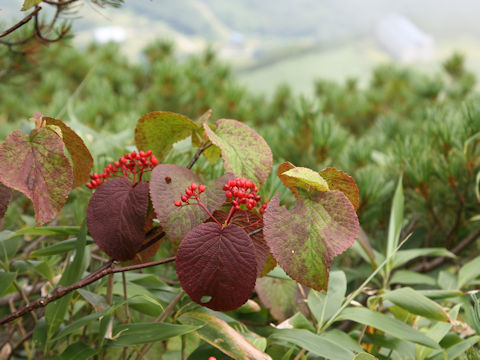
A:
[(35, 164), (216, 266), (116, 217), (244, 219), (167, 185), (81, 158), (5, 196), (305, 240)]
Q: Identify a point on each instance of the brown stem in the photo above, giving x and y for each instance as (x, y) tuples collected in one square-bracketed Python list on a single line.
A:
[(61, 291), (21, 22), (440, 260), (197, 155)]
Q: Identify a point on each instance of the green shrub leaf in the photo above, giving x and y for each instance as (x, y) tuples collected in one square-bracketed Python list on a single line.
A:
[(244, 152), (416, 303), (159, 130), (388, 324)]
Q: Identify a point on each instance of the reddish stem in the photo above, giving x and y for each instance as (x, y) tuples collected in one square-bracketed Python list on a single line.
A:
[(207, 211), (230, 214)]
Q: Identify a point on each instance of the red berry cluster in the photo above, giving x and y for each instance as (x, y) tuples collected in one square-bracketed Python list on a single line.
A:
[(133, 163), (192, 191), (241, 191)]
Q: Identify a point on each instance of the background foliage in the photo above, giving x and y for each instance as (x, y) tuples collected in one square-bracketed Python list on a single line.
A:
[(403, 125)]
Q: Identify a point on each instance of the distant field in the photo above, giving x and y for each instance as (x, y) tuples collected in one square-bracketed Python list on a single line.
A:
[(353, 60)]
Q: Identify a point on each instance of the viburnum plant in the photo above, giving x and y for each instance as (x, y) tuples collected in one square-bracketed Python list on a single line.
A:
[(223, 235)]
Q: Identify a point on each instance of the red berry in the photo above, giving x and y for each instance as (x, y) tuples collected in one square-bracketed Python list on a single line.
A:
[(177, 203), (154, 160), (212, 358), (189, 192), (148, 153), (184, 198), (228, 194), (142, 153), (89, 185), (133, 155), (116, 164), (201, 188), (193, 186)]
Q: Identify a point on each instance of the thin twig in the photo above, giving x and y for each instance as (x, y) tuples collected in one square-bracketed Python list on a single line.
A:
[(197, 155), (62, 291), (21, 22), (440, 260)]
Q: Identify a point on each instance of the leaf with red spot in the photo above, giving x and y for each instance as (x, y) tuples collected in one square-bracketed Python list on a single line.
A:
[(244, 152), (116, 217), (338, 180), (244, 219), (81, 158), (5, 196), (167, 184), (216, 266), (159, 130), (305, 240), (35, 164)]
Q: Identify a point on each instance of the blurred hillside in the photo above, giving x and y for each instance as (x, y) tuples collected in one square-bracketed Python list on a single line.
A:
[(272, 42)]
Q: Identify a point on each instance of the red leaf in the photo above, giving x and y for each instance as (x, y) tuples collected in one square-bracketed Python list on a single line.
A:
[(116, 217), (244, 220), (216, 266), (5, 196), (36, 165)]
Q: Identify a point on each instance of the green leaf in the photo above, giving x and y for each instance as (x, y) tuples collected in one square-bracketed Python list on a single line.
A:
[(440, 294), (56, 310), (305, 240), (364, 356), (8, 246), (81, 158), (147, 332), (27, 4), (48, 230), (387, 324), (222, 336), (395, 222), (58, 248), (36, 165), (78, 351), (42, 268), (40, 334), (159, 130), (80, 323), (313, 343), (408, 277), (6, 278), (437, 332), (454, 351), (323, 306), (304, 178), (416, 303), (341, 337), (404, 256), (468, 272), (244, 152)]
